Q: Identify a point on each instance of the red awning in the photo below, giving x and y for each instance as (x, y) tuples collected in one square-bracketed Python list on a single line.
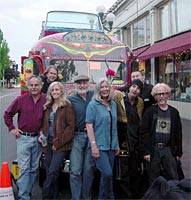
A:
[(172, 45), (139, 51)]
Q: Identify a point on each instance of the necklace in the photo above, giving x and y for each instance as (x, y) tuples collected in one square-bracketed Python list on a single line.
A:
[(54, 107)]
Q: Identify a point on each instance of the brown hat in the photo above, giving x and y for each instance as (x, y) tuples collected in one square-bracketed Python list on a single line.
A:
[(81, 78)]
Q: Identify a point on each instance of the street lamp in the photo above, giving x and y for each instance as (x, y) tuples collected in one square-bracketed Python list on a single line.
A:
[(100, 10), (109, 17)]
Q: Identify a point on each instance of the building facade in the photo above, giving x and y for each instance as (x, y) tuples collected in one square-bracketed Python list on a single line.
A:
[(159, 34)]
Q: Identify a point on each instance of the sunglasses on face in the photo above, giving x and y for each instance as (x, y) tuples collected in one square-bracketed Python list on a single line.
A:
[(162, 94)]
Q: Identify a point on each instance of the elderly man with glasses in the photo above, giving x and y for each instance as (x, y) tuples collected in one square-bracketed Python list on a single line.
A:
[(161, 132)]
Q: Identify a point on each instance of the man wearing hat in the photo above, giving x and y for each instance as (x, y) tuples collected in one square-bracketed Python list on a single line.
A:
[(129, 110), (148, 100), (146, 90), (81, 162)]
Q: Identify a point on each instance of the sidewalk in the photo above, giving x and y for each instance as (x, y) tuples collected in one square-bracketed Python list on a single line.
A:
[(186, 139)]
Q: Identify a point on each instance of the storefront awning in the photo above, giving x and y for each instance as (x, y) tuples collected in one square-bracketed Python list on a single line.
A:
[(139, 51), (172, 45)]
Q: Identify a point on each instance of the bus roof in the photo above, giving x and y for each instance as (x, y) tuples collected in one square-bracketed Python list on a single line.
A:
[(66, 21)]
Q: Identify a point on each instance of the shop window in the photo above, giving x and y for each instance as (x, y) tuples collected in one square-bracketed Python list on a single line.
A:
[(164, 21), (148, 30), (183, 65), (180, 10), (175, 70), (141, 32), (128, 36), (172, 17)]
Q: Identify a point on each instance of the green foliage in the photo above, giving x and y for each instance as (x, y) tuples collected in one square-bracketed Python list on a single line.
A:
[(11, 73), (4, 54), (1, 71), (1, 36)]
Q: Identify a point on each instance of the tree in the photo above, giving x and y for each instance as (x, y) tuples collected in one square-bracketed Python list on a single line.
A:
[(10, 73), (1, 36), (4, 54)]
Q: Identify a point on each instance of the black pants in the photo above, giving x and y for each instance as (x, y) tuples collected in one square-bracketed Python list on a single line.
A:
[(134, 171), (163, 158)]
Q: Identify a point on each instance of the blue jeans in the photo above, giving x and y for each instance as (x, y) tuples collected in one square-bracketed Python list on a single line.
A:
[(53, 161), (105, 165), (28, 155), (82, 168)]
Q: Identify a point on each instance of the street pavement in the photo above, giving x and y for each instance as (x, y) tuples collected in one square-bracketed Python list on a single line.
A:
[(186, 158)]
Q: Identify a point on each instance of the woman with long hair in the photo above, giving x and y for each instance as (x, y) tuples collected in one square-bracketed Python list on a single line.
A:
[(58, 126), (101, 123)]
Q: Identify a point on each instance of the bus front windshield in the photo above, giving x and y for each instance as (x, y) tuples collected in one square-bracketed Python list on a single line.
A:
[(73, 20), (69, 69)]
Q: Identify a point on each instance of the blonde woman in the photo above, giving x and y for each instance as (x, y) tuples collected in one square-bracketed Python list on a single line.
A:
[(58, 127)]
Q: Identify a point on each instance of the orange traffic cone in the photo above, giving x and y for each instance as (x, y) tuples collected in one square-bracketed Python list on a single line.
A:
[(6, 190), (0, 179)]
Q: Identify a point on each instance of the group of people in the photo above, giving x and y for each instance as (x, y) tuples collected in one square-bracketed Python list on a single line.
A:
[(150, 130), (91, 127)]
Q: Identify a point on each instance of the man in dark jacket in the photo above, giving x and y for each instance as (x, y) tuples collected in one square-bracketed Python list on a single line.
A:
[(148, 100), (146, 91), (129, 111), (161, 132)]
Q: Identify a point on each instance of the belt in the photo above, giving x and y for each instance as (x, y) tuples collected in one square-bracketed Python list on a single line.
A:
[(81, 130), (32, 134), (161, 145)]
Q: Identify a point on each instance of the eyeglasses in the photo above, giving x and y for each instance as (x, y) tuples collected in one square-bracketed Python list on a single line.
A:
[(162, 94)]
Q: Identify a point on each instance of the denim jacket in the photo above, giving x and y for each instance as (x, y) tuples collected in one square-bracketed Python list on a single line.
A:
[(98, 115)]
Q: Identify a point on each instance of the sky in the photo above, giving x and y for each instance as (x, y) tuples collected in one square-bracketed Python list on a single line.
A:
[(21, 20)]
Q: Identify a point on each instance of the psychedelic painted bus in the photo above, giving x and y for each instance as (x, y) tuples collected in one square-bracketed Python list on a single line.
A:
[(76, 44)]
